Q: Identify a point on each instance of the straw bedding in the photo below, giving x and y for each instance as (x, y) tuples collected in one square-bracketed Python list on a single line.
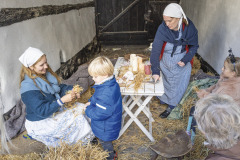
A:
[(133, 144)]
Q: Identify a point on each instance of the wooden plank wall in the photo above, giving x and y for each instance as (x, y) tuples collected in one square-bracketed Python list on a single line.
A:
[(131, 21), (129, 29), (156, 7), (132, 27)]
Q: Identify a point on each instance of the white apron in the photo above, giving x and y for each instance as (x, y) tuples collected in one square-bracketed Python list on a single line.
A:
[(68, 126)]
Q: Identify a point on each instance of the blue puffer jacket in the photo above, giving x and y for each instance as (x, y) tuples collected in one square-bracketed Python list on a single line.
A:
[(105, 110)]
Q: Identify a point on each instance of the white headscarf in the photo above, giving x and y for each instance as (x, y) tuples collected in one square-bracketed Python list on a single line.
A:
[(30, 56), (175, 10)]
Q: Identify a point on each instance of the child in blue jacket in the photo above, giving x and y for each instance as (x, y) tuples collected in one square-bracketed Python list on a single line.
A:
[(105, 106)]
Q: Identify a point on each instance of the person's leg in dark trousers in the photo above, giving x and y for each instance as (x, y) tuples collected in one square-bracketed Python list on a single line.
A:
[(108, 146)]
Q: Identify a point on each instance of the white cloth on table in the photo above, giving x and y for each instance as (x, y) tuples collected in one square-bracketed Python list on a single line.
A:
[(69, 126)]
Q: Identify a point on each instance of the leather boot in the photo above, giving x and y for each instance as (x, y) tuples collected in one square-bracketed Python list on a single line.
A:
[(164, 114)]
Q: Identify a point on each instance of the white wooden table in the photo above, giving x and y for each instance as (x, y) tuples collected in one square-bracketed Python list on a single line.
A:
[(132, 98)]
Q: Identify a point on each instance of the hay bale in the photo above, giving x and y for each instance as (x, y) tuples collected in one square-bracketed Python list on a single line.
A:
[(196, 65), (76, 152)]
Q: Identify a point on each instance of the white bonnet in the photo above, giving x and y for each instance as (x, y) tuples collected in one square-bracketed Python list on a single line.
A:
[(30, 56), (175, 10)]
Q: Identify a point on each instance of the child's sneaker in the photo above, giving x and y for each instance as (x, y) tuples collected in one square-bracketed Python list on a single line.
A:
[(26, 136)]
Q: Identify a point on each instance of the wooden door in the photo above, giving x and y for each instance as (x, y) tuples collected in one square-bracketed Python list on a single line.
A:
[(121, 21), (156, 8)]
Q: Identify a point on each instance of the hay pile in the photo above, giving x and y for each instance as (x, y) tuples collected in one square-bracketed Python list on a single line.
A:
[(196, 65), (133, 144), (64, 152), (137, 82), (134, 140), (76, 152), (31, 156), (76, 89)]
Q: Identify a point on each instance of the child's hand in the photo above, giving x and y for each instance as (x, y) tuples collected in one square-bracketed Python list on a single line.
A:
[(202, 93), (86, 105)]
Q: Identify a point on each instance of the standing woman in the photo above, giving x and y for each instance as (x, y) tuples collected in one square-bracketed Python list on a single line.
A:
[(174, 46), (47, 120)]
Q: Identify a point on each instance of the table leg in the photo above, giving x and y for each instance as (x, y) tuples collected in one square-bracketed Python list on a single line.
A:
[(148, 113), (127, 110), (125, 103), (146, 110), (133, 117)]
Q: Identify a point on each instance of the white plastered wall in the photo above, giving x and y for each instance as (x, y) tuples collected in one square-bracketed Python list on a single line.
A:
[(67, 32), (218, 24)]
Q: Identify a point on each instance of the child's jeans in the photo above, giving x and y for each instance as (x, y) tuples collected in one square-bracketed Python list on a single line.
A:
[(108, 146), (191, 128)]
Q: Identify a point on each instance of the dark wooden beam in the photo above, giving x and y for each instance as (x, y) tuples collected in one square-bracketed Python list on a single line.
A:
[(159, 2), (124, 32), (9, 16), (126, 38)]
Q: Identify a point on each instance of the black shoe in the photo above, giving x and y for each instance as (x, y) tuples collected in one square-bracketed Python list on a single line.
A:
[(94, 141), (115, 156), (164, 114)]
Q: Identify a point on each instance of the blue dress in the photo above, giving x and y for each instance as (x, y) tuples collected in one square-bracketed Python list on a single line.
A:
[(46, 120), (175, 78)]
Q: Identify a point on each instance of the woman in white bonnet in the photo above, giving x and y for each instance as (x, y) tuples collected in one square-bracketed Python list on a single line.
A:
[(44, 96), (174, 45)]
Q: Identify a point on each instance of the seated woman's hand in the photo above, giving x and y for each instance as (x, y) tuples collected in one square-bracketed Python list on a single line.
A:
[(73, 95), (68, 97), (155, 77), (181, 64), (77, 94)]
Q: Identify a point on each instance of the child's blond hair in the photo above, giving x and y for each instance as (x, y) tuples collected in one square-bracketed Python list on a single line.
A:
[(218, 117), (101, 66)]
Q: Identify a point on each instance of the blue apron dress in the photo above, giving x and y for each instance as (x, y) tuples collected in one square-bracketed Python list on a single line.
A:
[(175, 78)]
